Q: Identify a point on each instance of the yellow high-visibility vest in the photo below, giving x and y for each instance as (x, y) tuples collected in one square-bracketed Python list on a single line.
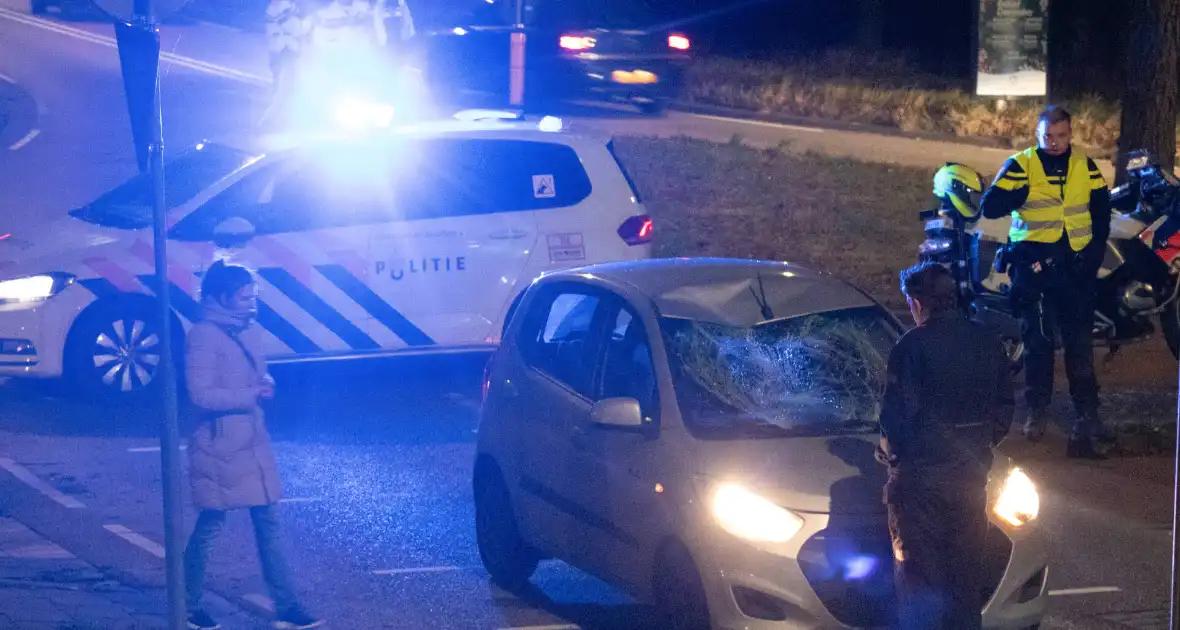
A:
[(1048, 214)]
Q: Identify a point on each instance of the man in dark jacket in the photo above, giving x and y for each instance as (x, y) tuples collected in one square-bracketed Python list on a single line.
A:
[(948, 402)]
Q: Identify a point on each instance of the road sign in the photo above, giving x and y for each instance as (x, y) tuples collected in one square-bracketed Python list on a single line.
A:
[(139, 58)]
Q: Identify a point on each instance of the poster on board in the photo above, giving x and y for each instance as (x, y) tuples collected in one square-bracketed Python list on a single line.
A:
[(1013, 47)]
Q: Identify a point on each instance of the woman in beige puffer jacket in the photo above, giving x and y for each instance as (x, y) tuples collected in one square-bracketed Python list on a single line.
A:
[(231, 465)]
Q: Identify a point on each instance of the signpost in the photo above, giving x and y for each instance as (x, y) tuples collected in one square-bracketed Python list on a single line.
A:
[(516, 58), (139, 56), (1012, 48)]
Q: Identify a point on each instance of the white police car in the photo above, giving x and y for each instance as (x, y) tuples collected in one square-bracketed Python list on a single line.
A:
[(409, 241)]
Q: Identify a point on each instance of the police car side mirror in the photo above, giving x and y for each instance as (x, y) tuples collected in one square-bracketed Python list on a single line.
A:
[(233, 232), (617, 413)]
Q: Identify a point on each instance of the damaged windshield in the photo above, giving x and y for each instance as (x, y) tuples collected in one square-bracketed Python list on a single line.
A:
[(819, 374)]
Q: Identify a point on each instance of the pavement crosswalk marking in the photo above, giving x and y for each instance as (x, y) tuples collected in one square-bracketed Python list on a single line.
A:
[(34, 482), (139, 540)]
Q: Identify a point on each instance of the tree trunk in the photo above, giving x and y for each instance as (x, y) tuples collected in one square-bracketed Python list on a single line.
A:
[(1150, 100)]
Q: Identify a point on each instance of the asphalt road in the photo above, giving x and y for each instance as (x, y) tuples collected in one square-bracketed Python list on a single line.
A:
[(376, 455)]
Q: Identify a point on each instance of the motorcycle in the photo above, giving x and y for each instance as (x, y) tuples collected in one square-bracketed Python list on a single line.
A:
[(1139, 279)]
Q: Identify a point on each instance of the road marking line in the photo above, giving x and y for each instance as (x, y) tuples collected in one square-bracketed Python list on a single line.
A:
[(7, 79), (137, 539), (35, 482), (19, 144), (260, 600), (413, 570), (301, 500), (109, 42), (558, 627), (1090, 590), (761, 123), (151, 449)]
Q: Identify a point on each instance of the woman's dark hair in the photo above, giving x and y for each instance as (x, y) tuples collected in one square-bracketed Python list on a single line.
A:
[(932, 285), (222, 280)]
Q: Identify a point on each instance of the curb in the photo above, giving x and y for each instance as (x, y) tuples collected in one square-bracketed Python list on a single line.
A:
[(835, 125)]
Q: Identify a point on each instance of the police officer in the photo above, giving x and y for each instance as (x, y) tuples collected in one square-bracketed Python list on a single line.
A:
[(1060, 207), (948, 402)]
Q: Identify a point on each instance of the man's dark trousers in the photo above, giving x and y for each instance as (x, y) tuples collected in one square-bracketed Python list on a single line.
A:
[(1065, 289), (939, 542)]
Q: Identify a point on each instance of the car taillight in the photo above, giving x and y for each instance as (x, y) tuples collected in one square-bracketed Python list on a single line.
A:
[(577, 42), (636, 230), (679, 42)]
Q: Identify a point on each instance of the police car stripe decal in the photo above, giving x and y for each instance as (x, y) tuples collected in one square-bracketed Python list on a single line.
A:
[(284, 331), (118, 277), (177, 273), (319, 309), (181, 302), (100, 287), (377, 307)]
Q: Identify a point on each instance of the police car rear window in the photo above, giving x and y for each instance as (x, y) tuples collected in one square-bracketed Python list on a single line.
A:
[(129, 206), (427, 179)]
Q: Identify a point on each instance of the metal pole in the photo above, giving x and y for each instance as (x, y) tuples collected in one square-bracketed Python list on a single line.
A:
[(1175, 608), (169, 429), (516, 58)]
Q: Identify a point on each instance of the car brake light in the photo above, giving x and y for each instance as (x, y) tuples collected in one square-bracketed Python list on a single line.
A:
[(679, 42), (637, 230), (577, 42)]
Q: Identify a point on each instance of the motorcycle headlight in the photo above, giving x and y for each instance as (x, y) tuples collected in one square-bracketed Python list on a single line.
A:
[(1019, 504), (33, 288), (751, 517), (935, 246)]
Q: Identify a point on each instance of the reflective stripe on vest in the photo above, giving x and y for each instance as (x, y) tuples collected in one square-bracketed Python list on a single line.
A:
[(1045, 215)]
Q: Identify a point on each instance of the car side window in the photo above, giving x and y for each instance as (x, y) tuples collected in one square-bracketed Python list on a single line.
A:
[(627, 367), (560, 335)]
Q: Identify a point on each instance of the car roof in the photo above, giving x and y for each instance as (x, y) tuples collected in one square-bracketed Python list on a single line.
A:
[(478, 123), (723, 290)]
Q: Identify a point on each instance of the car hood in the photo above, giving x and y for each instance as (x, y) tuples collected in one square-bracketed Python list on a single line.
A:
[(59, 245), (837, 475)]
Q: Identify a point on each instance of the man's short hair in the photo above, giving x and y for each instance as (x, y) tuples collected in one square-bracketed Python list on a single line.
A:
[(1054, 114), (931, 284)]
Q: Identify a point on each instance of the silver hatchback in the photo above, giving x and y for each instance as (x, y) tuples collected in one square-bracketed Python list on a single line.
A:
[(701, 434)]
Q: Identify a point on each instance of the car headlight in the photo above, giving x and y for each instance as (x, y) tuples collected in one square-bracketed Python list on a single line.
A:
[(33, 288), (751, 517), (1019, 503)]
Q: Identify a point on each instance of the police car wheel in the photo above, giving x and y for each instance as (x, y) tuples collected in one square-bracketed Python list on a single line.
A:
[(114, 352), (501, 548)]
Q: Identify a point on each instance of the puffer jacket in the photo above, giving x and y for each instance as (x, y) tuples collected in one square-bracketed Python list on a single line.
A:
[(231, 464)]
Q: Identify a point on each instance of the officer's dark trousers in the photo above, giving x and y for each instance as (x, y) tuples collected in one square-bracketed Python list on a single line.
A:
[(1067, 306), (938, 548)]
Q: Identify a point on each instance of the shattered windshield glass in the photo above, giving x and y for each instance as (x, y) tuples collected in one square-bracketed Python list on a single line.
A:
[(819, 374)]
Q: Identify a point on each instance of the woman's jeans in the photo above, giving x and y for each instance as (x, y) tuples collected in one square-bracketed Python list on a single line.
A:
[(266, 534)]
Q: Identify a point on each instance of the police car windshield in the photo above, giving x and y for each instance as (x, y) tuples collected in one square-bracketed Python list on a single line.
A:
[(814, 375), (129, 206)]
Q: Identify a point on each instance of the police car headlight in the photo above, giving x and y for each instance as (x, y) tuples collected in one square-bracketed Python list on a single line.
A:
[(33, 288), (751, 517), (1019, 503)]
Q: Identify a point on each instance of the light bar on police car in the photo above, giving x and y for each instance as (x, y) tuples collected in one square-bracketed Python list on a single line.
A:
[(33, 288)]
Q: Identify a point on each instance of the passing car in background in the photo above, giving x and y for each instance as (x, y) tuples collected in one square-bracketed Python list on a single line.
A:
[(701, 433), (596, 49), (402, 241)]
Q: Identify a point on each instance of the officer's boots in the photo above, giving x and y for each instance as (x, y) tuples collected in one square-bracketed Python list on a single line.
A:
[(1090, 439), (1034, 425)]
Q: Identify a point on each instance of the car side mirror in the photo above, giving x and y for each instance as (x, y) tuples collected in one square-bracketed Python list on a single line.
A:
[(233, 232), (619, 413)]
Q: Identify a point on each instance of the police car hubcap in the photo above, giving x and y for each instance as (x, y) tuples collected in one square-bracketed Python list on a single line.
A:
[(126, 355)]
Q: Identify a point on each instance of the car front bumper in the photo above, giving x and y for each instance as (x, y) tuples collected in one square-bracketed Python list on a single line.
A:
[(822, 579)]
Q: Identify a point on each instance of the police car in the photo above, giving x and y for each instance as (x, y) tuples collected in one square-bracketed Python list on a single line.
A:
[(415, 240)]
